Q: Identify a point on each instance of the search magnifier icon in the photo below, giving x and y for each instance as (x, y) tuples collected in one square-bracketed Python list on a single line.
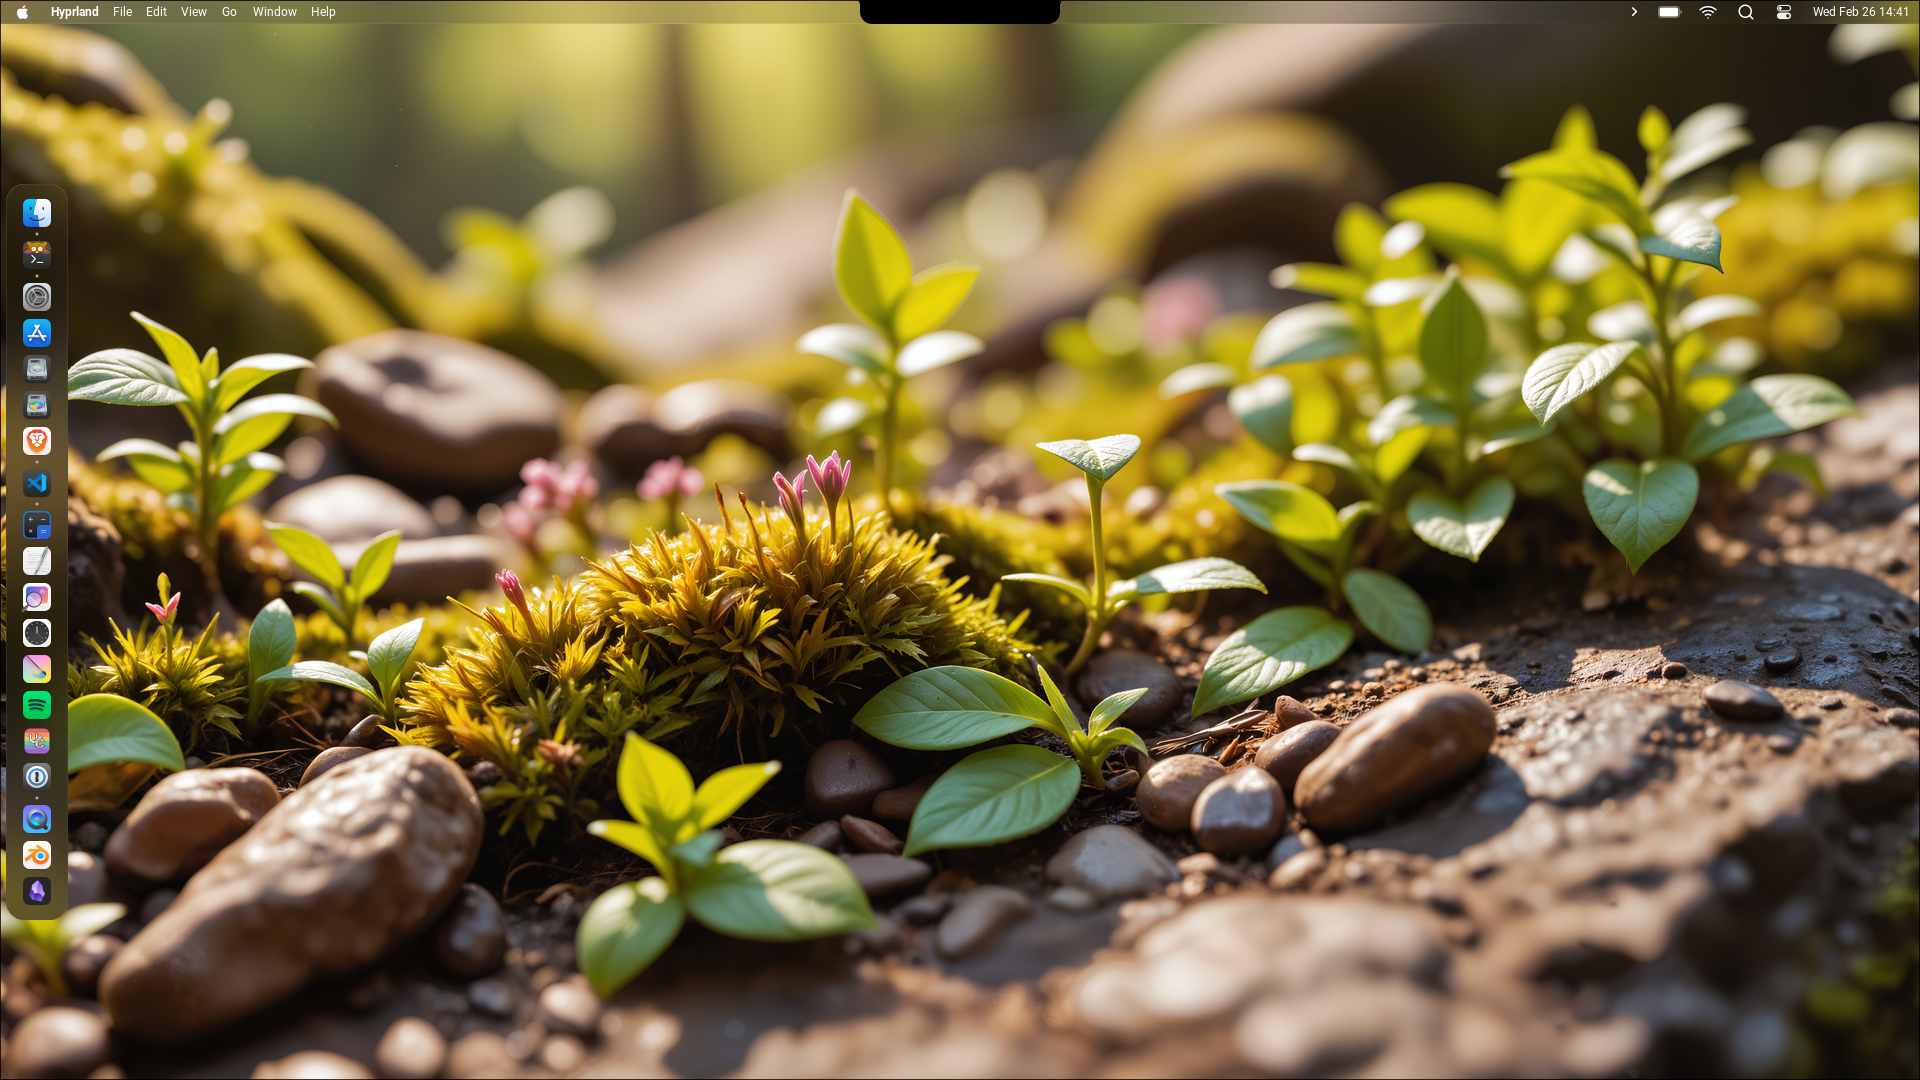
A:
[(1746, 11)]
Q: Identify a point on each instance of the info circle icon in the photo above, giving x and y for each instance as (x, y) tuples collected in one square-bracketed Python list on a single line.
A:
[(37, 776)]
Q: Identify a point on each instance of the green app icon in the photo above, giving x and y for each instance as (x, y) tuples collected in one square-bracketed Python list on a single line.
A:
[(36, 705)]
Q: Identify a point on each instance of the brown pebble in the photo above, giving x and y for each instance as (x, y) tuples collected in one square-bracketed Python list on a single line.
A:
[(879, 875), (329, 759), (843, 777), (870, 836), (1240, 813), (1395, 754), (1674, 669), (412, 1049), (1287, 753), (1738, 700), (1299, 869), (480, 1054), (1167, 792), (899, 803), (825, 836), (85, 959), (367, 733), (312, 1063), (1288, 712)]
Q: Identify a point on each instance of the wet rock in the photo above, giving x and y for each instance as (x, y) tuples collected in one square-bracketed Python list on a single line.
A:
[(1285, 754), (617, 425), (693, 413), (433, 410), (312, 1065), (825, 836), (470, 940), (1832, 701), (85, 959), (58, 1041), (1315, 1034), (478, 1055), (843, 777), (1674, 669), (343, 509), (924, 909), (1298, 869), (563, 1054), (484, 773), (899, 803), (1118, 670), (495, 997), (1588, 746), (1111, 862), (1902, 717), (883, 937), (89, 883), (1073, 901), (428, 571), (156, 903), (977, 917), (186, 819), (367, 733), (1168, 790), (329, 759), (1395, 754), (89, 836), (571, 1008), (1289, 712), (412, 1049), (1742, 701), (870, 836), (881, 875), (1781, 661), (327, 882), (1240, 813), (1878, 767)]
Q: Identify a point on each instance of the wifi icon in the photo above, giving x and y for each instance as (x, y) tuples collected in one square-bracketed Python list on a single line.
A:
[(1707, 10)]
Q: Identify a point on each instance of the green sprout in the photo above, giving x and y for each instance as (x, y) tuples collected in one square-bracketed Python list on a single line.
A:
[(337, 594), (1100, 460), (386, 658), (46, 941)]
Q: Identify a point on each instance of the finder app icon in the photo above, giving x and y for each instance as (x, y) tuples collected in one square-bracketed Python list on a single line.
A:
[(36, 213)]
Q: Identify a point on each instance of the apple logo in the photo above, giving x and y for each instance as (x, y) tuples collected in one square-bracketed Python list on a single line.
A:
[(22, 12)]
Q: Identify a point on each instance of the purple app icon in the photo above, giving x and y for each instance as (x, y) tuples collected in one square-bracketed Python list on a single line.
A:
[(38, 891)]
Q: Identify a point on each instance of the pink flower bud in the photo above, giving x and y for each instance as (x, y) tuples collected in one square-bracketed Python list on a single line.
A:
[(509, 583), (519, 520), (692, 481), (663, 478)]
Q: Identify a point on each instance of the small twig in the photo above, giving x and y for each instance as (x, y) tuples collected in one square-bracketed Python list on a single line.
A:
[(1240, 722)]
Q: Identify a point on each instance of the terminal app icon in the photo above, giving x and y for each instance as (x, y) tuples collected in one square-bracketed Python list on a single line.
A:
[(36, 333), (39, 740), (36, 255), (38, 890), (37, 524), (37, 440), (36, 855), (37, 596), (37, 561), (36, 704), (37, 213), (37, 776), (36, 818)]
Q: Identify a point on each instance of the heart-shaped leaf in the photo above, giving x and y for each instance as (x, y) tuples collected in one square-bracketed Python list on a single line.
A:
[(1561, 374), (104, 728), (1641, 507), (1268, 653), (936, 293), (936, 350), (1387, 607), (1286, 510), (1196, 377), (1099, 458), (777, 890), (387, 655), (656, 790), (870, 263), (728, 790), (1308, 332), (994, 796), (945, 708), (1264, 408), (1462, 529), (850, 343), (625, 930), (1195, 575), (1453, 340), (1769, 405)]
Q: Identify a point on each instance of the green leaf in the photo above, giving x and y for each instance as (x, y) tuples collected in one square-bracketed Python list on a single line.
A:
[(289, 405), (1463, 530), (1196, 377), (635, 838), (1711, 309), (243, 375), (1535, 219), (1453, 340), (1105, 742), (323, 671), (1356, 236), (1329, 454), (1591, 174), (145, 447), (323, 598), (158, 465), (1694, 240), (657, 790), (994, 796), (1703, 138), (375, 564), (936, 293), (936, 350), (1386, 606), (1063, 723), (850, 343), (1641, 507), (728, 790), (1561, 374), (1323, 278), (123, 377), (1264, 408), (1195, 575), (309, 553), (106, 728), (1113, 708), (236, 441), (1308, 332), (1767, 406), (241, 480), (870, 262), (387, 655), (1099, 458), (1392, 292), (1405, 412), (698, 851), (1286, 510), (1765, 460), (187, 372), (945, 708), (625, 930), (840, 414), (1575, 130), (1071, 588), (270, 644), (777, 890), (1460, 220), (1654, 130), (89, 919), (1524, 431), (1268, 653)]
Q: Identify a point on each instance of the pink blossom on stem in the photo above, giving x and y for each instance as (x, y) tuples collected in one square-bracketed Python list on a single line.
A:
[(793, 500), (165, 614), (670, 477), (575, 485), (519, 521), (509, 583)]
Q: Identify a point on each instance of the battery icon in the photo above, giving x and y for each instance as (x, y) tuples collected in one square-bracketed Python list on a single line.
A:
[(1670, 12)]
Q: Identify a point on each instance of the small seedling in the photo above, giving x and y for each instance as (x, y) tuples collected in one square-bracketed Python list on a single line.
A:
[(387, 658), (340, 596)]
